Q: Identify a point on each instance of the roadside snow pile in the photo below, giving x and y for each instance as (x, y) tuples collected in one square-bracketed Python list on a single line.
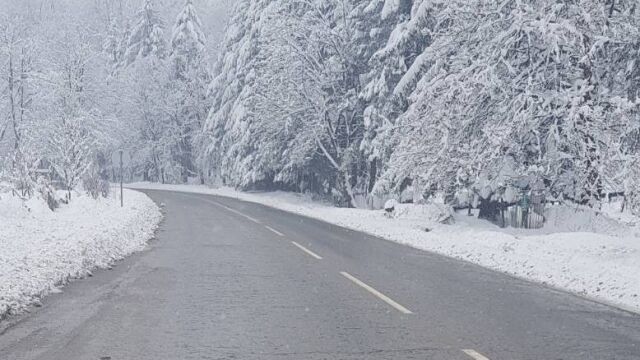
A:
[(41, 250), (424, 215), (598, 264), (580, 219)]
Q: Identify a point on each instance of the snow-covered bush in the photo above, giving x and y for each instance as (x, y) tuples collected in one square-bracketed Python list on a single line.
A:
[(94, 185), (47, 193), (71, 149), (390, 205)]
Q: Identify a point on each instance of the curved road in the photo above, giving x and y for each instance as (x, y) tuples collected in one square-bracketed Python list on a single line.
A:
[(227, 279)]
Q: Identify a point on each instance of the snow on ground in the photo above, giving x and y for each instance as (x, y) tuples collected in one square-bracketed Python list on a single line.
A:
[(580, 251), (41, 250)]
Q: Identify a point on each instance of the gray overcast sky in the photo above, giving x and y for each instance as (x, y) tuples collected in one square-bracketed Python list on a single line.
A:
[(213, 13)]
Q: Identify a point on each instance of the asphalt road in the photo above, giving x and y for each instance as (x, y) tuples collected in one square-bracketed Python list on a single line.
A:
[(232, 280)]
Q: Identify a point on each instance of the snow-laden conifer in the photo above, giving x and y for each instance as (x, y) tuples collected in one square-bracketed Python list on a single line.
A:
[(147, 35)]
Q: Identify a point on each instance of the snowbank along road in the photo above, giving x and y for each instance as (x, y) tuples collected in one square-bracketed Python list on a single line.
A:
[(233, 280)]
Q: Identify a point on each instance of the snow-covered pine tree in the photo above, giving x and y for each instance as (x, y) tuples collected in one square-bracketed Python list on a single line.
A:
[(226, 146), (308, 85), (187, 41), (147, 36), (191, 78), (402, 134), (522, 98), (406, 29), (457, 96)]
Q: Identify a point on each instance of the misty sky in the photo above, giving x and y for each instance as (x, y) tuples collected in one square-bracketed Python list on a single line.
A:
[(97, 13)]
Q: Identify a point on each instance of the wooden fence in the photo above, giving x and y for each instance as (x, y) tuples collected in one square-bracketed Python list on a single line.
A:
[(520, 217), (528, 213)]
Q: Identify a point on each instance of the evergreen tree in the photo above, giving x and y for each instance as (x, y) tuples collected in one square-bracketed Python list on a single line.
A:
[(191, 77), (451, 96), (518, 101), (226, 143), (187, 41), (147, 36), (406, 29)]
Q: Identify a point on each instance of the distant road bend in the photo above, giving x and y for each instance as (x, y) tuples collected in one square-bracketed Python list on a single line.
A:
[(233, 280)]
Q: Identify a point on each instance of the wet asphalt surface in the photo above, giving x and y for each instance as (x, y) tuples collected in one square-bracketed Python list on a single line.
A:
[(218, 283)]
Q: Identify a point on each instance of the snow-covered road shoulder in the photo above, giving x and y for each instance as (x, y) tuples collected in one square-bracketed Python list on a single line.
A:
[(570, 254), (41, 250)]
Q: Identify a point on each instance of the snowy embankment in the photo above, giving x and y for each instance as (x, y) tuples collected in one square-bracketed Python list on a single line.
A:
[(579, 251), (41, 250)]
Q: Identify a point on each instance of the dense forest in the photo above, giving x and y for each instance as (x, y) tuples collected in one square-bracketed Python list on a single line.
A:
[(354, 100), (471, 99)]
